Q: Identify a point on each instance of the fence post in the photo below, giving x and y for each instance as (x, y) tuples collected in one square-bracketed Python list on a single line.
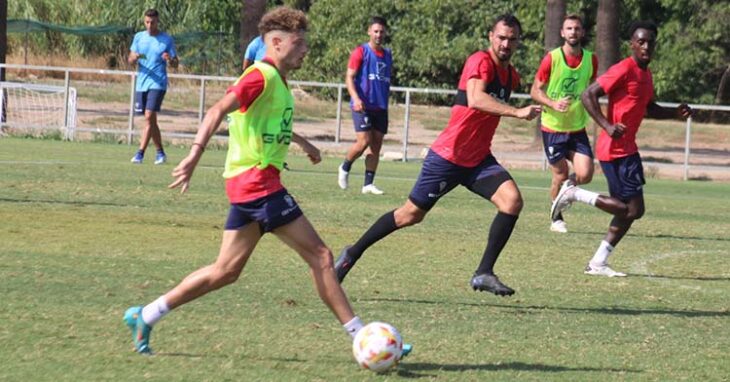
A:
[(130, 123), (201, 109), (339, 113), (66, 83), (686, 147), (406, 125)]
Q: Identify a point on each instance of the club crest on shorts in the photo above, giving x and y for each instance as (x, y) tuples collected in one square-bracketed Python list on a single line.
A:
[(289, 201)]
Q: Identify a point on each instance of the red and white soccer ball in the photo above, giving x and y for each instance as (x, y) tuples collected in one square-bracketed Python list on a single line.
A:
[(377, 347)]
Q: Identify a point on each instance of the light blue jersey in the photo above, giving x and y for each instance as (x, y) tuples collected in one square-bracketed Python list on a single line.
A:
[(151, 68), (256, 50)]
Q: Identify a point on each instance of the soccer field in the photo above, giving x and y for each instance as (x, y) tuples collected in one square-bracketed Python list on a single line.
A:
[(85, 234)]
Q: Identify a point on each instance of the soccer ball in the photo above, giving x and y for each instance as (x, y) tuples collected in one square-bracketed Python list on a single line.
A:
[(377, 347)]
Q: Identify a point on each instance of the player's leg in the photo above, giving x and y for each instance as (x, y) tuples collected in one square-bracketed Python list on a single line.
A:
[(301, 237), (438, 176), (625, 179), (613, 205), (154, 105), (379, 124), (555, 145), (581, 155), (236, 248), (492, 182), (140, 102), (361, 122)]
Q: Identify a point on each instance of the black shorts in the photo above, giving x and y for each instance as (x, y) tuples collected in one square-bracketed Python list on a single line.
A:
[(150, 100), (439, 176), (370, 120), (270, 212), (625, 177), (557, 145)]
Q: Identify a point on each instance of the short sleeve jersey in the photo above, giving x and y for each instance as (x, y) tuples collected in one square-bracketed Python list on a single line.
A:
[(151, 68), (256, 50), (467, 139), (629, 89)]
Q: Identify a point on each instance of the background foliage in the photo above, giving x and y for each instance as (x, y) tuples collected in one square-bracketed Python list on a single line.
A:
[(430, 39)]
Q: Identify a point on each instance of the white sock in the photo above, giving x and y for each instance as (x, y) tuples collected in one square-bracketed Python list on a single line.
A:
[(585, 196), (600, 258), (155, 311), (353, 326)]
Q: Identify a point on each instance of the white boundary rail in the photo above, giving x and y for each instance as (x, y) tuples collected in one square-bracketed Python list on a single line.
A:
[(338, 86)]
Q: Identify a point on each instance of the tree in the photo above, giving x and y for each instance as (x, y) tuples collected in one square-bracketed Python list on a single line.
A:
[(607, 41), (251, 13), (554, 13), (3, 47)]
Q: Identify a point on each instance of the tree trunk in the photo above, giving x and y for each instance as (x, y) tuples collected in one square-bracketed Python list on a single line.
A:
[(554, 13), (3, 49), (722, 97), (251, 13), (607, 39)]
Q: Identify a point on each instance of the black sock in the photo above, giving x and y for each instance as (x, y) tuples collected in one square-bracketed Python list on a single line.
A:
[(346, 165), (383, 227), (499, 233), (369, 177), (559, 217)]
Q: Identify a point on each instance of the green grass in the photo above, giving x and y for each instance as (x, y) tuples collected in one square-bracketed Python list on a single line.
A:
[(85, 234)]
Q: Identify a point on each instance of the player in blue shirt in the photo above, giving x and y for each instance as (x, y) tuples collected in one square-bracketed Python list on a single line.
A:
[(152, 50), (368, 82), (254, 52)]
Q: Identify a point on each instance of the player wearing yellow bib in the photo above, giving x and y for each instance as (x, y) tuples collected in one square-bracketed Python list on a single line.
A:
[(563, 75), (260, 106)]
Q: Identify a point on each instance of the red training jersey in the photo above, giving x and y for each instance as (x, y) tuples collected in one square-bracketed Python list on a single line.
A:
[(253, 183), (629, 89), (467, 139), (543, 72), (356, 57)]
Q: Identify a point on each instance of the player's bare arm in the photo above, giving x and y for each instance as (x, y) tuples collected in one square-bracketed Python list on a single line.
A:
[(654, 110), (350, 83), (537, 92), (590, 101), (478, 99), (184, 171), (311, 150)]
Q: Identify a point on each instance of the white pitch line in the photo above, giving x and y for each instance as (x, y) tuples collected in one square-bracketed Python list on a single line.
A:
[(642, 267)]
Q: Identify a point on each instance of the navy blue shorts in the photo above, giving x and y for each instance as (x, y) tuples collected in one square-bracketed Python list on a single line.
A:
[(370, 120), (439, 176), (270, 212), (150, 100), (558, 145), (625, 177)]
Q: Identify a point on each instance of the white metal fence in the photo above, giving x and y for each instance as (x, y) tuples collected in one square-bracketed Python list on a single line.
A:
[(339, 87)]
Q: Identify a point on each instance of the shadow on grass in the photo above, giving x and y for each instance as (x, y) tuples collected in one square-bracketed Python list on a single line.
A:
[(606, 310), (657, 236), (410, 370), (698, 278), (67, 202)]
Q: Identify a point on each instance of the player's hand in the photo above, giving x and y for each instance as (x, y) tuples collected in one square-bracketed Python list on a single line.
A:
[(358, 106), (616, 130), (313, 154), (684, 111), (184, 171), (166, 56), (529, 112), (134, 56), (562, 104)]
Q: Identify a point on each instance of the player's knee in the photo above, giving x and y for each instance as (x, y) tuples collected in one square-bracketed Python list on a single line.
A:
[(515, 205), (635, 214), (583, 178), (321, 258), (225, 276)]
